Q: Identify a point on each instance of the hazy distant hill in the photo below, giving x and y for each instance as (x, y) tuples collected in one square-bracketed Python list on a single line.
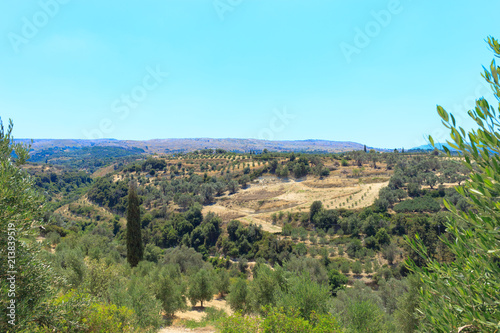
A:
[(430, 147), (186, 145)]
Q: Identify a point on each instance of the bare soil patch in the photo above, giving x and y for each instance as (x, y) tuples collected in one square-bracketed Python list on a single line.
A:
[(269, 195), (179, 329), (196, 313), (103, 171), (259, 194)]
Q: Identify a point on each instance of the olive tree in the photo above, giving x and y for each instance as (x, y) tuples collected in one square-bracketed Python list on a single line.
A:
[(25, 286), (463, 295), (201, 287)]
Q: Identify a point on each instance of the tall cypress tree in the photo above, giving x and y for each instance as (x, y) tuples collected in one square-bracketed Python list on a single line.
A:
[(135, 250)]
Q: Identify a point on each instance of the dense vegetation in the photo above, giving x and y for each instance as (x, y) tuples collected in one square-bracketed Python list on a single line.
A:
[(298, 278), (121, 249), (89, 158)]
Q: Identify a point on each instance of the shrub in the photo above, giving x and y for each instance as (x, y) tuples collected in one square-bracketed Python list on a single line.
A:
[(382, 237), (357, 268), (187, 258), (239, 323), (304, 295), (71, 266), (371, 242), (345, 267), (354, 247), (423, 204), (79, 312), (336, 280), (390, 252), (53, 238), (169, 288), (287, 229), (263, 287), (302, 234), (361, 309), (323, 241), (313, 266), (144, 303), (152, 253), (277, 320), (98, 278), (109, 318), (242, 265), (222, 282), (238, 296), (300, 249), (368, 267)]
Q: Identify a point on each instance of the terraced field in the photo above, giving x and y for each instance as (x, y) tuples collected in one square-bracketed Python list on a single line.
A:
[(269, 194)]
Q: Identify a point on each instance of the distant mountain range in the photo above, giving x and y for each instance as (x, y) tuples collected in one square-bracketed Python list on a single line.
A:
[(430, 147), (187, 145)]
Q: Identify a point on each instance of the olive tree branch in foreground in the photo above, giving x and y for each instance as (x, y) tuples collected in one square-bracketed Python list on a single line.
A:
[(463, 295)]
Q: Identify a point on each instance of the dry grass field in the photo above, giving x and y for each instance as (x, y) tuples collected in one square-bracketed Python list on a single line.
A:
[(268, 195)]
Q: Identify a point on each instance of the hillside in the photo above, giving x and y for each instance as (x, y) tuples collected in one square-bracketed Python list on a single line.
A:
[(330, 223)]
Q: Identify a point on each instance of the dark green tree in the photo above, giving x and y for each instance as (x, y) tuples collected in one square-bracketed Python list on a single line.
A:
[(382, 237), (336, 280), (316, 207), (135, 249)]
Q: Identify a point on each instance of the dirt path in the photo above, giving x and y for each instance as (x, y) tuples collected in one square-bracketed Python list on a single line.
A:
[(183, 330), (196, 314)]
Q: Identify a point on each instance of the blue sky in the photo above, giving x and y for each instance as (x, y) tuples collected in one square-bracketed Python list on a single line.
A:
[(364, 71)]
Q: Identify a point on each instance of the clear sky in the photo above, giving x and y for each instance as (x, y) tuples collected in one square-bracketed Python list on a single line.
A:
[(365, 71)]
